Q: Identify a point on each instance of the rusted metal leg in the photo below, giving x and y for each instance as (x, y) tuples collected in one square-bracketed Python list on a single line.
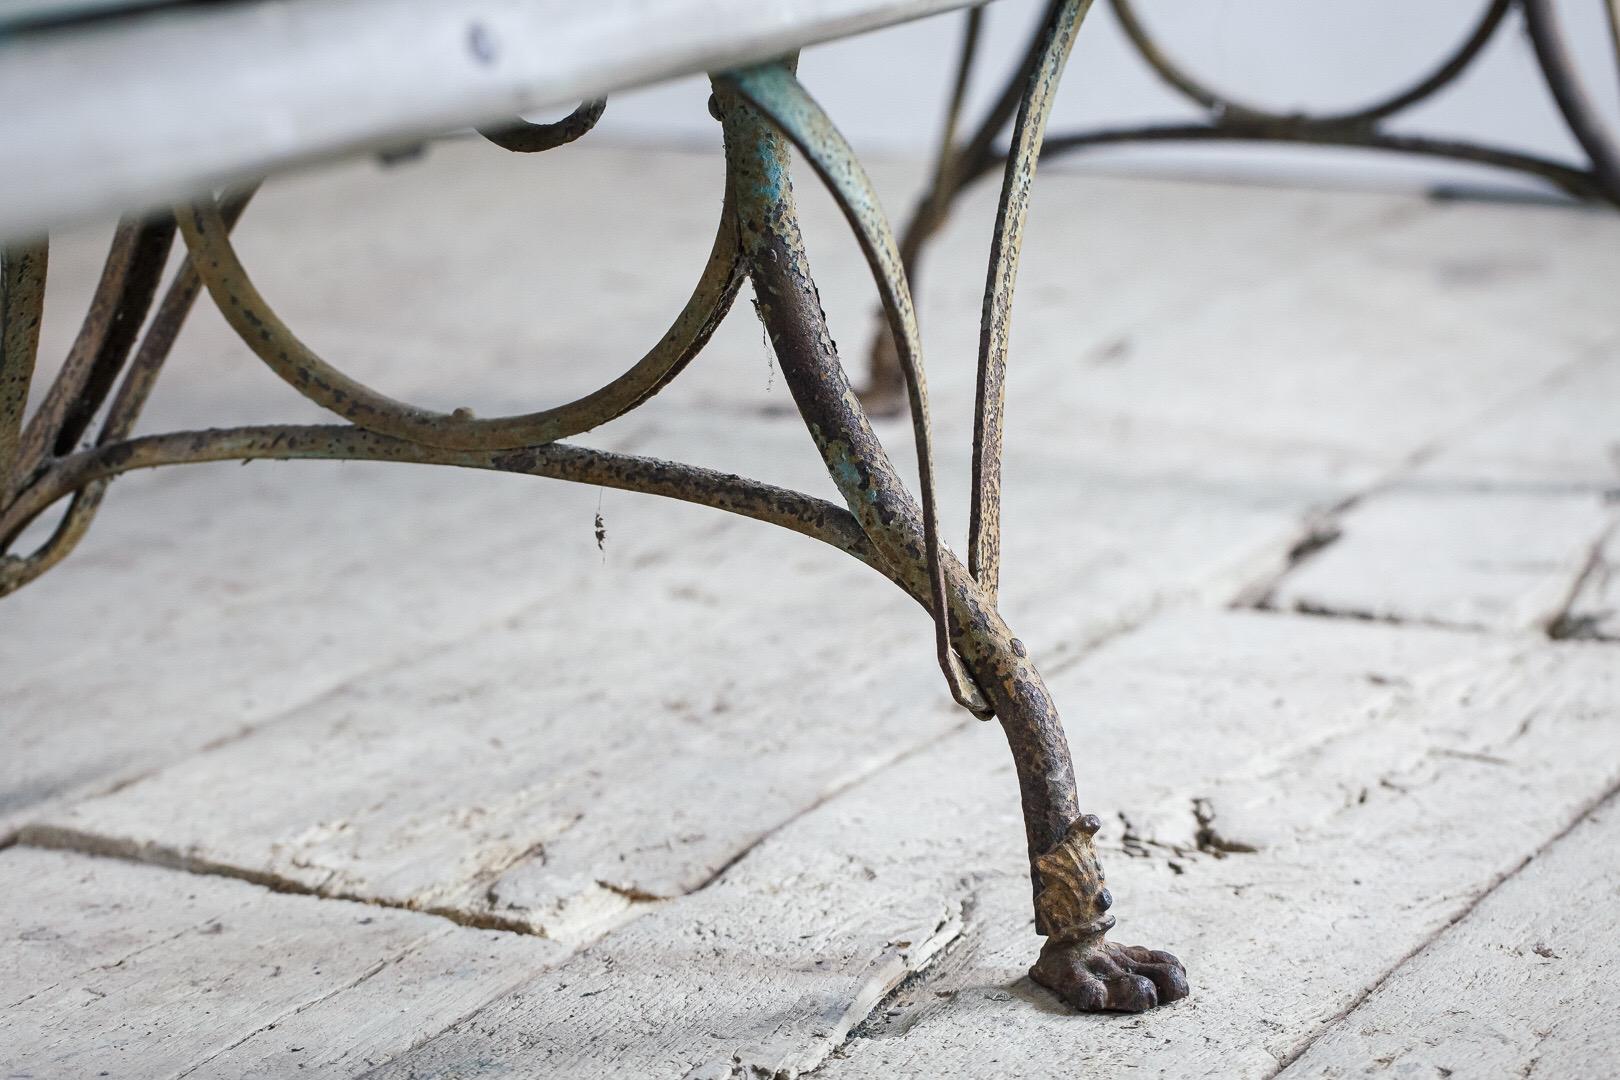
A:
[(22, 296), (1071, 901)]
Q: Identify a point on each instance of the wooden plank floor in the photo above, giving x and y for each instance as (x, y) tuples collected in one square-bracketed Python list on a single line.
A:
[(1312, 500)]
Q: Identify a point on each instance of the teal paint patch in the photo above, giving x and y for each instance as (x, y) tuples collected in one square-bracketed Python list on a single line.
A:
[(774, 182), (850, 479)]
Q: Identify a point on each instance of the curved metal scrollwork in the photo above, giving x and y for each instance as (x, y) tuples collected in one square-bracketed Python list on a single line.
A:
[(522, 137), (1229, 110), (1227, 119), (258, 325)]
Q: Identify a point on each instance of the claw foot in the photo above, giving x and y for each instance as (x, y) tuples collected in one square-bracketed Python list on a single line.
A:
[(1099, 976), (1077, 962)]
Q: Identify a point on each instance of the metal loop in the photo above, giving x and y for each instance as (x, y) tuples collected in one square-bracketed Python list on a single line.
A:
[(1225, 110), (522, 137), (263, 331)]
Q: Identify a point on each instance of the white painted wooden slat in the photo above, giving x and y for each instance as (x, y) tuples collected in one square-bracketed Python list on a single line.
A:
[(1375, 342), (156, 973), (130, 111), (1499, 559), (1524, 985), (765, 970), (1496, 530)]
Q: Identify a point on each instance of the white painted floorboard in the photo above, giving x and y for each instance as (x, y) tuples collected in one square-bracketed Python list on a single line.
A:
[(766, 971), (698, 803), (1497, 529), (115, 969), (1524, 985)]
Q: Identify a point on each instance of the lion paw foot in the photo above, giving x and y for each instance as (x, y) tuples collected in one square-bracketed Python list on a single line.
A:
[(1099, 976)]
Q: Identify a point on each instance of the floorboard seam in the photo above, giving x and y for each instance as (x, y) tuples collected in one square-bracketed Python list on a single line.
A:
[(109, 785), (1287, 1061), (1322, 529), (1564, 625), (81, 842)]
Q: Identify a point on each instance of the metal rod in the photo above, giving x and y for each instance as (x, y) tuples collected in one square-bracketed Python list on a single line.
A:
[(22, 300), (944, 160), (1576, 183), (791, 510), (129, 278), (1224, 109), (259, 326), (995, 320), (1541, 20), (153, 243), (127, 403), (974, 154), (885, 387), (1612, 10), (782, 99)]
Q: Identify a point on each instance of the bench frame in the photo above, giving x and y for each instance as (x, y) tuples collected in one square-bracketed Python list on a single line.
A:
[(961, 161), (764, 112)]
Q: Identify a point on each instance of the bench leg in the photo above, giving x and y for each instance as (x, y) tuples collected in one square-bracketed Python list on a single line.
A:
[(1071, 902)]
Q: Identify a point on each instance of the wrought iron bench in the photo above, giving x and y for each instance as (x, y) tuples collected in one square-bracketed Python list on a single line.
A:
[(414, 67)]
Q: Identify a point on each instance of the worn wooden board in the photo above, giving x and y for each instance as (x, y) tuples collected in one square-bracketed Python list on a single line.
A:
[(1523, 985), (115, 969), (1498, 530), (459, 749), (1385, 342), (458, 550), (1498, 559), (1563, 435), (465, 781), (774, 966), (230, 596)]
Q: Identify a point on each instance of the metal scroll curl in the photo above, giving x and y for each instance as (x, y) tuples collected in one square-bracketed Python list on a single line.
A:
[(962, 162), (302, 368)]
